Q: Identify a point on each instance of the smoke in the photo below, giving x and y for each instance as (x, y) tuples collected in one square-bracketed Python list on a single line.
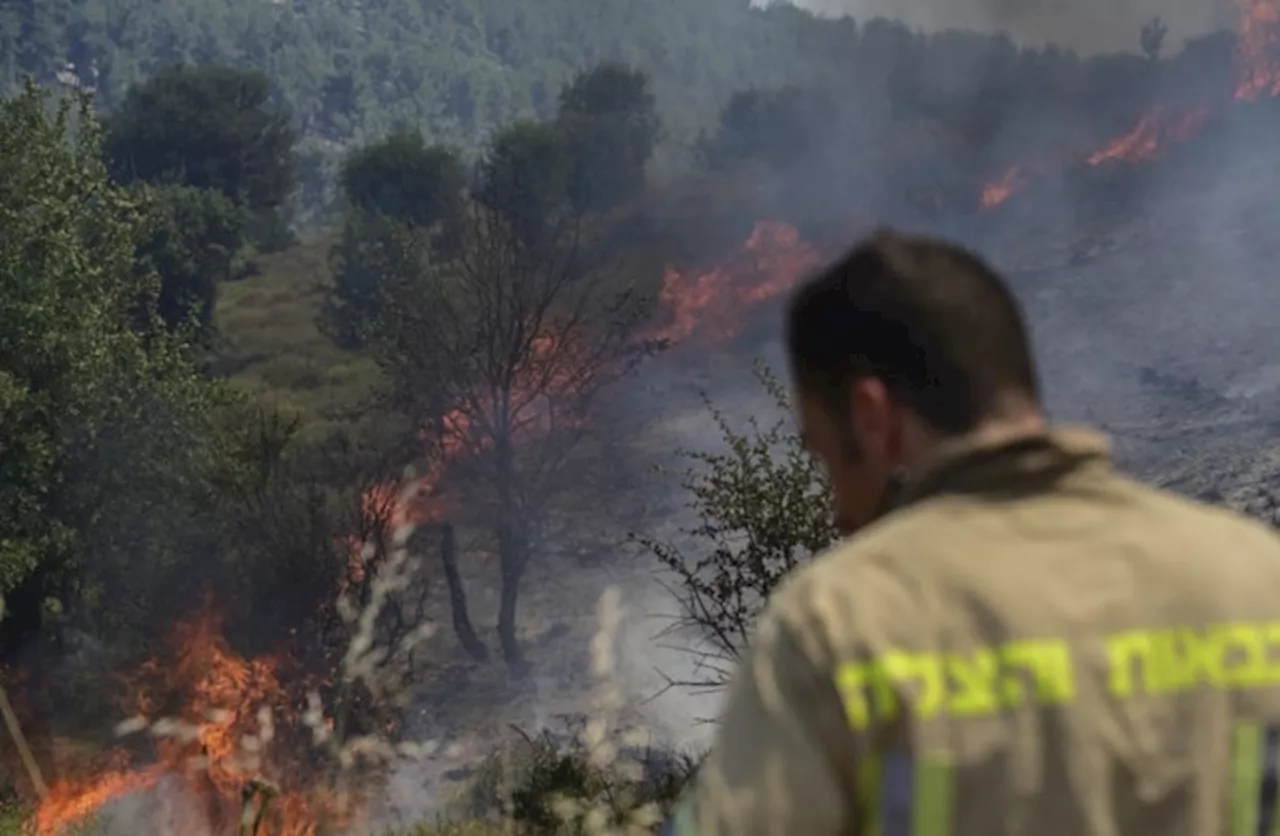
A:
[(1146, 285), (1087, 26), (166, 809)]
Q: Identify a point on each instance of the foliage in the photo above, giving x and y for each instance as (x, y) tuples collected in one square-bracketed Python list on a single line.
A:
[(205, 127), (611, 127), (762, 509), (317, 570), (358, 296), (351, 73), (1152, 38), (212, 128), (389, 184), (193, 250), (104, 419), (771, 126), (523, 182), (406, 180), (355, 71)]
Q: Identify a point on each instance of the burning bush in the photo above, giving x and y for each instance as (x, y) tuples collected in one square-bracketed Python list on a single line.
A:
[(290, 742)]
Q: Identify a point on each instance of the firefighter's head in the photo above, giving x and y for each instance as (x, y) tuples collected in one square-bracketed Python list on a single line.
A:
[(901, 344)]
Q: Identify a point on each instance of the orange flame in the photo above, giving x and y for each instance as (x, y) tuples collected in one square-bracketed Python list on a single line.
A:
[(1258, 76), (1153, 132), (1004, 187), (1258, 50), (215, 742), (713, 303), (554, 367)]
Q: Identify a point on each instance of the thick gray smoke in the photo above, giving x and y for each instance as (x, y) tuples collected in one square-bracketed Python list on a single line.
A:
[(1149, 287), (1087, 26)]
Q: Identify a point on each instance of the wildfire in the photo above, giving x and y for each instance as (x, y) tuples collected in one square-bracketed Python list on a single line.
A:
[(553, 367), (224, 708), (1154, 131), (1002, 188), (214, 740), (1257, 76), (1258, 73), (712, 303)]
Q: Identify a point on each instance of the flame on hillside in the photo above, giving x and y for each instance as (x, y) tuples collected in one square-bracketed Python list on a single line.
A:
[(1258, 71), (1257, 77), (713, 305)]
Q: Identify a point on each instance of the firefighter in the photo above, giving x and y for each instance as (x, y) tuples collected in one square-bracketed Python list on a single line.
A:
[(1029, 642)]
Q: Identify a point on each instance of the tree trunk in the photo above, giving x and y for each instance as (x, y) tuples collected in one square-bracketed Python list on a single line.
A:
[(511, 556), (458, 597), (513, 553)]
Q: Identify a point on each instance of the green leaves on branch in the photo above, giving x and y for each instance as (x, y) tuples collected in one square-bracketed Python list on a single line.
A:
[(407, 180), (208, 128), (761, 508), (103, 418)]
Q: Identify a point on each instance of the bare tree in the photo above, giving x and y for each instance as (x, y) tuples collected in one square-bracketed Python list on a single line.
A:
[(499, 354)]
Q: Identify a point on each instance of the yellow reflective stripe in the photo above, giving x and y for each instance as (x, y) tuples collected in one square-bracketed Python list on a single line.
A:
[(869, 809), (900, 795), (1270, 746), (682, 822), (931, 809), (1246, 780)]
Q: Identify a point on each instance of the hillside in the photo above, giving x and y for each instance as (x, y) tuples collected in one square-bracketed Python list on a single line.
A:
[(349, 73), (418, 519), (272, 347), (1153, 322)]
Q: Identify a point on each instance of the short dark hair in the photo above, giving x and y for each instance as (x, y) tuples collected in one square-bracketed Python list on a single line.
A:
[(929, 318)]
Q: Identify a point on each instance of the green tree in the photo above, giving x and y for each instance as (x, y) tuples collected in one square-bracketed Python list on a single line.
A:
[(397, 181), (407, 180), (208, 128), (611, 127), (193, 249), (524, 179), (771, 126), (106, 442), (357, 297), (762, 509)]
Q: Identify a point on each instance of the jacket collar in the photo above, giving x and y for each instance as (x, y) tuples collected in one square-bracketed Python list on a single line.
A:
[(1016, 466)]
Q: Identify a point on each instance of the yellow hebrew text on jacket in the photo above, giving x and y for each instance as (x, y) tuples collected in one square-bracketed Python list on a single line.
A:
[(986, 681), (1226, 656), (1042, 672)]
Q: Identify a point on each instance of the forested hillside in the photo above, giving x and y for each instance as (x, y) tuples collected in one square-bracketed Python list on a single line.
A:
[(354, 70)]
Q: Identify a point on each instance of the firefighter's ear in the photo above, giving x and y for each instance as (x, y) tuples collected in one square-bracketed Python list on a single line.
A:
[(875, 419)]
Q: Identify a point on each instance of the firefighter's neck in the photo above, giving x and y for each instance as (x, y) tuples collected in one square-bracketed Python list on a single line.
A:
[(1015, 418)]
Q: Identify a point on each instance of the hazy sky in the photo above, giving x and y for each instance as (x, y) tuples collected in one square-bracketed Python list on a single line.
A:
[(1084, 25)]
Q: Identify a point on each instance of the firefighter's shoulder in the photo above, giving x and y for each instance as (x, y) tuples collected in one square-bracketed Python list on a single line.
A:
[(1212, 550), (852, 599)]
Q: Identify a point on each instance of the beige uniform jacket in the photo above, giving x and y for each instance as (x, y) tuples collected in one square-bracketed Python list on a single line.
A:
[(1035, 645)]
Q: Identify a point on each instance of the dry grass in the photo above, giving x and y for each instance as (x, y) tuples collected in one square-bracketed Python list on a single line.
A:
[(272, 348)]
